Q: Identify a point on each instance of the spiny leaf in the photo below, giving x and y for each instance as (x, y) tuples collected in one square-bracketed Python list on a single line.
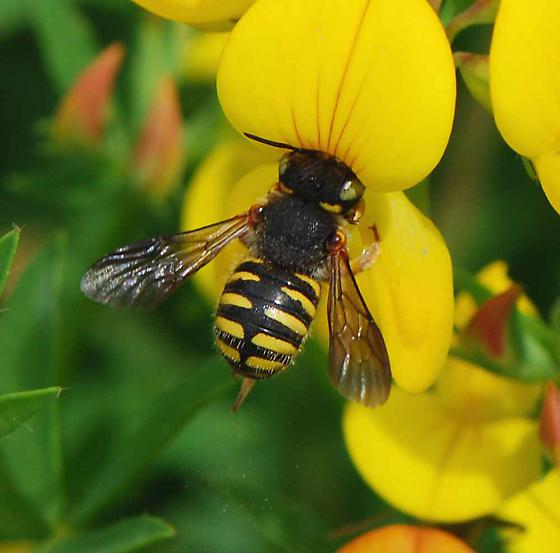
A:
[(16, 408), (127, 535), (8, 247)]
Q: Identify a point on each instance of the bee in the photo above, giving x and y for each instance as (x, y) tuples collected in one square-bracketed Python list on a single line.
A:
[(296, 239)]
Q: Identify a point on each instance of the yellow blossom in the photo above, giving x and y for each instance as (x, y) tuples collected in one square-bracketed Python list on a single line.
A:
[(408, 290), (457, 451), (207, 14), (537, 511), (525, 85), (372, 83)]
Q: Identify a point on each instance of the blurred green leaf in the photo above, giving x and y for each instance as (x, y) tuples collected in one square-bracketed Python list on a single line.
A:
[(12, 16), (126, 535), (16, 408), (157, 52), (450, 8), (165, 419), (275, 519), (8, 247), (30, 334), (65, 39), (481, 12)]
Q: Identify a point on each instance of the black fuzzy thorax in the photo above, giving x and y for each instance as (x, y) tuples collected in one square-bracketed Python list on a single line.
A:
[(294, 232)]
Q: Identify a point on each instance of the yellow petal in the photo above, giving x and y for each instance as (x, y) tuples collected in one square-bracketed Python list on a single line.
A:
[(547, 166), (464, 387), (371, 82), (217, 192), (524, 76), (429, 463), (537, 510), (198, 12), (409, 290), (202, 54)]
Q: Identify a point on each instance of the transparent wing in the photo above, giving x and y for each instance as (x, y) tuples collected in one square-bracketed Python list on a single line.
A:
[(142, 275), (358, 361)]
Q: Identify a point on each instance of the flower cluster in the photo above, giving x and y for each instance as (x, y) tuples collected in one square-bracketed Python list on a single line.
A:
[(372, 84)]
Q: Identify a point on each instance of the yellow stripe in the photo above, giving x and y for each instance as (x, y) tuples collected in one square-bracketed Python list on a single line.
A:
[(286, 319), (238, 300), (254, 260), (274, 344), (332, 208), (312, 282), (228, 351), (306, 303), (231, 327), (265, 364), (244, 275)]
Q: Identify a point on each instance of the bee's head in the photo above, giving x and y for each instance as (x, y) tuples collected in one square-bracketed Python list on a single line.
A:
[(320, 178)]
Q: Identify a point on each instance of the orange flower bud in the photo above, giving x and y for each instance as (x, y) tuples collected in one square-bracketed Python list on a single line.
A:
[(489, 325), (80, 117), (159, 153), (549, 429), (399, 538)]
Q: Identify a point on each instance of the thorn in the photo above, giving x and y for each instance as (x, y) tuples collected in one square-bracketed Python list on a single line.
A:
[(246, 386)]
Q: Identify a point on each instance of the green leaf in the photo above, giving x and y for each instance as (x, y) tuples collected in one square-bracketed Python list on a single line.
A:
[(157, 52), (65, 39), (30, 345), (8, 247), (126, 535), (13, 15), (164, 420), (481, 12), (15, 409), (474, 70)]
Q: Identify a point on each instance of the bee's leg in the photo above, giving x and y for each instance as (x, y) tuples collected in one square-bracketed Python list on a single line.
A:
[(368, 256), (246, 386)]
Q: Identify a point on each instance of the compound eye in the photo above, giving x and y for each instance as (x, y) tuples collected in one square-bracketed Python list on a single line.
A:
[(351, 191)]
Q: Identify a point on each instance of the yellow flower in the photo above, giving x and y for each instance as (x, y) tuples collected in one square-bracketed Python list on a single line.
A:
[(373, 84), (207, 14), (456, 452), (408, 290), (399, 538), (537, 511), (202, 54), (525, 85), (370, 82)]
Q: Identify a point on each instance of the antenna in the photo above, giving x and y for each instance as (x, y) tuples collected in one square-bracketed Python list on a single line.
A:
[(273, 143)]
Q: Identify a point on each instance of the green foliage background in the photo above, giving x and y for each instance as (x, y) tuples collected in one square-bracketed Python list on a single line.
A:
[(142, 423)]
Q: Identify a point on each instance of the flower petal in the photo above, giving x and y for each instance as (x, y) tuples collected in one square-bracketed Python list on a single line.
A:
[(524, 77), (370, 82), (431, 464), (198, 12), (537, 510), (464, 387), (409, 290), (217, 192), (547, 166), (399, 538)]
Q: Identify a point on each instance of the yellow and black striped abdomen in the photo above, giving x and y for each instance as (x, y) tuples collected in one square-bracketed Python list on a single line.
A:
[(263, 317)]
